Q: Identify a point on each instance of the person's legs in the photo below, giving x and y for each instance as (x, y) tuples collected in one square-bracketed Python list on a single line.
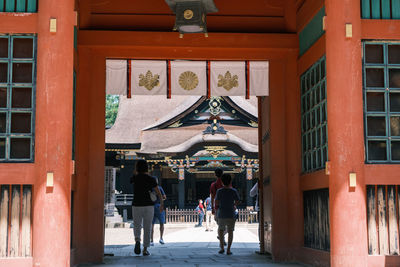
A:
[(211, 220), (137, 226), (221, 239), (208, 217), (160, 217), (152, 226), (201, 216), (230, 238), (137, 222), (259, 231), (148, 213), (231, 228), (152, 234), (161, 233)]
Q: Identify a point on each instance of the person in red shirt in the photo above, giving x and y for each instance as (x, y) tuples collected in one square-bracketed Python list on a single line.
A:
[(214, 187), (200, 211)]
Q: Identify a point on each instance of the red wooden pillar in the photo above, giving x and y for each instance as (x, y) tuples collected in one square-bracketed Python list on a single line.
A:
[(293, 156), (88, 230), (51, 205), (348, 231)]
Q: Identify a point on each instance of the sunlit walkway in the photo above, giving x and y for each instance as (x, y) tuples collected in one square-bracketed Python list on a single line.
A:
[(184, 246)]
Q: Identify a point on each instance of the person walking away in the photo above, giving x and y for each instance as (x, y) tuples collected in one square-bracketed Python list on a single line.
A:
[(200, 211), (209, 220), (158, 216), (254, 193), (215, 186), (226, 199), (213, 191), (143, 206)]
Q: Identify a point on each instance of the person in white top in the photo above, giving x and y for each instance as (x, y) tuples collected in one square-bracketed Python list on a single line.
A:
[(253, 193)]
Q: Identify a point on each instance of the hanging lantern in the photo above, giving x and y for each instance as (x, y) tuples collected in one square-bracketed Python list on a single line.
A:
[(191, 15)]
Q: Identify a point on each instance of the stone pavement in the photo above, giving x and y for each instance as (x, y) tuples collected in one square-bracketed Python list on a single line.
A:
[(186, 245)]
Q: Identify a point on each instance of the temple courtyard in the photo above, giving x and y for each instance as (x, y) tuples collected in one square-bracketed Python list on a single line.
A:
[(186, 245)]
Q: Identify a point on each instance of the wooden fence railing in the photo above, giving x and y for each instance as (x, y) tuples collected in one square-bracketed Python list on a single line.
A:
[(191, 216)]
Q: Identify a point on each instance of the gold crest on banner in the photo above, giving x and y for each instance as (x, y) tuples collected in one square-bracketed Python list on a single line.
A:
[(228, 81), (188, 80), (149, 81)]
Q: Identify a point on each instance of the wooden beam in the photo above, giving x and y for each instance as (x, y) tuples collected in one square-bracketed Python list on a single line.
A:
[(290, 16), (307, 11), (22, 23), (380, 29), (11, 175), (384, 174), (143, 22), (170, 39), (232, 7), (315, 52), (314, 180)]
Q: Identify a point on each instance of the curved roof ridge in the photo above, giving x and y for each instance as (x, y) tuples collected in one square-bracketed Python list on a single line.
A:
[(199, 138), (185, 105)]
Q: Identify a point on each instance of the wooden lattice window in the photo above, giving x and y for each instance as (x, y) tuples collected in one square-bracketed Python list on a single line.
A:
[(381, 82), (380, 9), (17, 97), (26, 6), (314, 129), (15, 221)]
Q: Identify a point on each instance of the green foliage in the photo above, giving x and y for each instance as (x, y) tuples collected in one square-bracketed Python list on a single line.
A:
[(112, 102)]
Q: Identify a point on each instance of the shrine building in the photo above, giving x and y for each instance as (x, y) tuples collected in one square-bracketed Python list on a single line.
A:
[(309, 98), (184, 139)]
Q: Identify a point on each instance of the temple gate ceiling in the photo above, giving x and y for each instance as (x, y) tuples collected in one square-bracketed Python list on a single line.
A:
[(258, 16)]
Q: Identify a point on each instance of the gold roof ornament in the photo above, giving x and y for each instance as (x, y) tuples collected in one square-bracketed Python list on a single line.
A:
[(228, 81), (215, 151), (253, 124), (149, 81), (176, 124), (188, 80)]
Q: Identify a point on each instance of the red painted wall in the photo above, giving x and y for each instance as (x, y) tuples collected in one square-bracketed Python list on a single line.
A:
[(53, 128), (282, 197), (346, 135)]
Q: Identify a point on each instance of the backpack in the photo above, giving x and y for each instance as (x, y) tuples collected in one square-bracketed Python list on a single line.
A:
[(208, 204), (198, 209)]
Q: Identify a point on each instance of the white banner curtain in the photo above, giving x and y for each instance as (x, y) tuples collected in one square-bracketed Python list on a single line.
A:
[(148, 77), (259, 78), (116, 77), (188, 78), (228, 78)]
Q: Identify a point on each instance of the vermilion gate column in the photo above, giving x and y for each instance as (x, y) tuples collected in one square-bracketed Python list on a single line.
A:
[(53, 141), (345, 134)]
